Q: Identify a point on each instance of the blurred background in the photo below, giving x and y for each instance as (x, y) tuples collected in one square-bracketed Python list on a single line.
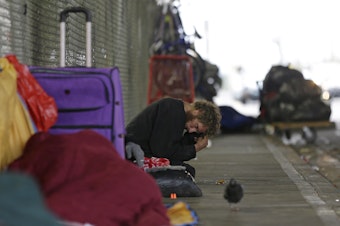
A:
[(244, 38)]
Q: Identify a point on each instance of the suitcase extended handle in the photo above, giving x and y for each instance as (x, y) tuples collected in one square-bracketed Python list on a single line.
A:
[(88, 17)]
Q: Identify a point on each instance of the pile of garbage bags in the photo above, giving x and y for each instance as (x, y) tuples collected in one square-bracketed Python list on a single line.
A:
[(287, 96)]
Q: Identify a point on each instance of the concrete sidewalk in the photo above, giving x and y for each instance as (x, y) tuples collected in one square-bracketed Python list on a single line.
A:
[(280, 188)]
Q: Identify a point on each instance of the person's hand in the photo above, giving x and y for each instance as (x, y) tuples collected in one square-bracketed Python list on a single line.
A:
[(135, 151), (201, 143)]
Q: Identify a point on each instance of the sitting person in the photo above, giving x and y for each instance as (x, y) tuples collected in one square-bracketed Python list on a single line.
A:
[(172, 129)]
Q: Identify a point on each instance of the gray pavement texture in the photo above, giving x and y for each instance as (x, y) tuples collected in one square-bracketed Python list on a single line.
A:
[(323, 155), (280, 187)]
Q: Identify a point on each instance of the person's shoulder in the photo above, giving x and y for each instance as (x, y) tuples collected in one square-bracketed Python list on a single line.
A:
[(167, 103), (170, 100)]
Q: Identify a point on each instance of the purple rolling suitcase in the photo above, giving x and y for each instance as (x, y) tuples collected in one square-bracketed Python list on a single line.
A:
[(86, 97)]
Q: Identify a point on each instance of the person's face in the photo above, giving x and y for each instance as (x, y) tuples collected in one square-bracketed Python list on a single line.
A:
[(193, 125)]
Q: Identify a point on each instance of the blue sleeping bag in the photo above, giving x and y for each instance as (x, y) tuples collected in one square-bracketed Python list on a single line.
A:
[(233, 121)]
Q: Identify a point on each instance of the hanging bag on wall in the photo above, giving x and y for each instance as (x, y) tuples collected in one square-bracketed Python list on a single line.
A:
[(41, 106), (16, 126)]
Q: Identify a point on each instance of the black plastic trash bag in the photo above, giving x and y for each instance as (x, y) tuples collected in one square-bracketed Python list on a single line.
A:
[(178, 182)]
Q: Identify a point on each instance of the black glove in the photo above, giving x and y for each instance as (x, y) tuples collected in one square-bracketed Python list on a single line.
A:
[(135, 151), (190, 138)]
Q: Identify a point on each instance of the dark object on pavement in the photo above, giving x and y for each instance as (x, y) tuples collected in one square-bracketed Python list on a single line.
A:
[(233, 193), (286, 96), (176, 181)]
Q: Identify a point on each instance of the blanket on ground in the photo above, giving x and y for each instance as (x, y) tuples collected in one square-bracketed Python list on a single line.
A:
[(83, 179)]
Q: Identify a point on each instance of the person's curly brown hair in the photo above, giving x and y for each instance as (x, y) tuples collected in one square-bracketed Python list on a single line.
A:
[(210, 116)]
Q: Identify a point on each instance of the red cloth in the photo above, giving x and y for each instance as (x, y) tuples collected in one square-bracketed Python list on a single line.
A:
[(155, 162), (41, 106), (85, 180)]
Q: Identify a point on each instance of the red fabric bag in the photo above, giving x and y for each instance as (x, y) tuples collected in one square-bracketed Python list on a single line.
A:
[(83, 179), (41, 106)]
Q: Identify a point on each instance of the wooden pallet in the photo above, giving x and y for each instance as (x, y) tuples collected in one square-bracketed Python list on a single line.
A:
[(300, 125)]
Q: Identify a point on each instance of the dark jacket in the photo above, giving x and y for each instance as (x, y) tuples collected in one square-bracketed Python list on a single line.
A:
[(159, 128)]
